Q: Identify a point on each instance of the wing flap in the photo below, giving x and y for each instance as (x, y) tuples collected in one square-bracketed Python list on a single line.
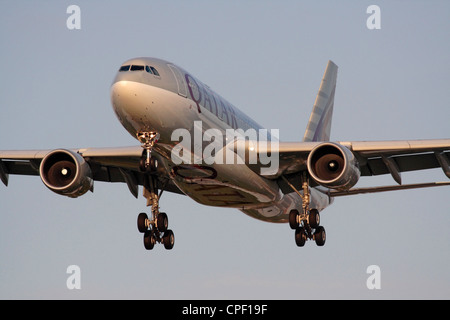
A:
[(333, 193), (21, 167), (375, 166)]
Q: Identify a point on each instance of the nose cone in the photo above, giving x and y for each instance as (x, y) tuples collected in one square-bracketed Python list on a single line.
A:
[(132, 105), (144, 107)]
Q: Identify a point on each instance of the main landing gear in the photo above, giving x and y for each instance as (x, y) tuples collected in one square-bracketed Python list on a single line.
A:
[(155, 229), (307, 223), (306, 226)]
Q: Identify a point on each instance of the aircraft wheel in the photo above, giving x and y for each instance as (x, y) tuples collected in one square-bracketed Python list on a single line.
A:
[(162, 222), (293, 214), (300, 236), (168, 239), (148, 169), (320, 236), (149, 240), (314, 218), (142, 217)]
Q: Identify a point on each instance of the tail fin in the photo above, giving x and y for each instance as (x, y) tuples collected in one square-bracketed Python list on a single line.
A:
[(319, 125)]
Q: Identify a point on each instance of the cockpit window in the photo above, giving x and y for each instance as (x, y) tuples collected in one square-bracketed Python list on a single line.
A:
[(154, 71), (136, 68)]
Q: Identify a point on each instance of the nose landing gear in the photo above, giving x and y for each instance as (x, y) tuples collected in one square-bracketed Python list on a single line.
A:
[(148, 140)]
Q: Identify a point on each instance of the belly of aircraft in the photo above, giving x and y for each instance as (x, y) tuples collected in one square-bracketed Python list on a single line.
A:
[(223, 185), (238, 187)]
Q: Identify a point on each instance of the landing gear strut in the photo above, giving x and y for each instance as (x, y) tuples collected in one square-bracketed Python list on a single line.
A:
[(307, 223), (148, 140), (155, 229)]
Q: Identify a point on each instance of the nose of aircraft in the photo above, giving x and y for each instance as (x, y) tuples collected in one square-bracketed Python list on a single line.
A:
[(143, 107), (128, 101)]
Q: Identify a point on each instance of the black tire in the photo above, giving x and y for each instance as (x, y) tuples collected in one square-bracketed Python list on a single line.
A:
[(293, 219), (142, 165), (300, 236), (314, 218), (162, 222), (150, 169), (153, 165), (320, 236), (168, 239), (141, 222), (149, 240)]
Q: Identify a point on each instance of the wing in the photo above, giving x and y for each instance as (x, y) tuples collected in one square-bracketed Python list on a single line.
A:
[(106, 164), (395, 157), (372, 158)]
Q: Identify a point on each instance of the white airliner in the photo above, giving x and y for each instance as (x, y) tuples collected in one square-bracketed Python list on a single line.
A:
[(154, 99)]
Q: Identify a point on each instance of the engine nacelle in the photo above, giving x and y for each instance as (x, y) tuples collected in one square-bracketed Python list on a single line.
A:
[(66, 173), (333, 166)]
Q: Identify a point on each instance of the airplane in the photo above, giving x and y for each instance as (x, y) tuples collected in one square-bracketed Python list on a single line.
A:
[(269, 180)]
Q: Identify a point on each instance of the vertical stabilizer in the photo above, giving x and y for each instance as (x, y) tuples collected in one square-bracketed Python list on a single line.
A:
[(319, 124)]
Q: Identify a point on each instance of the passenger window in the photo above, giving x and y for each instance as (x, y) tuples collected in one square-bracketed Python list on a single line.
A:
[(155, 72), (137, 68), (147, 68), (124, 68)]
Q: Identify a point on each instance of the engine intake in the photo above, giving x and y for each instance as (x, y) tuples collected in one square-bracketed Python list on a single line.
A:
[(334, 166), (66, 173)]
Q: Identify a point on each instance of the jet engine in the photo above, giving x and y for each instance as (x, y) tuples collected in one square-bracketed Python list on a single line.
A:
[(333, 166), (66, 173)]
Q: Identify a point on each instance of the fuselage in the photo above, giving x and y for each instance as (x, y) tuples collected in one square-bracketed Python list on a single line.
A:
[(151, 94)]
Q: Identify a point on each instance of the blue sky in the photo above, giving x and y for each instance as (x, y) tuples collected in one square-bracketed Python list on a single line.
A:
[(267, 58)]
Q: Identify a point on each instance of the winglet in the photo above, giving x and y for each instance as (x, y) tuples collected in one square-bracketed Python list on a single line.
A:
[(319, 125)]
